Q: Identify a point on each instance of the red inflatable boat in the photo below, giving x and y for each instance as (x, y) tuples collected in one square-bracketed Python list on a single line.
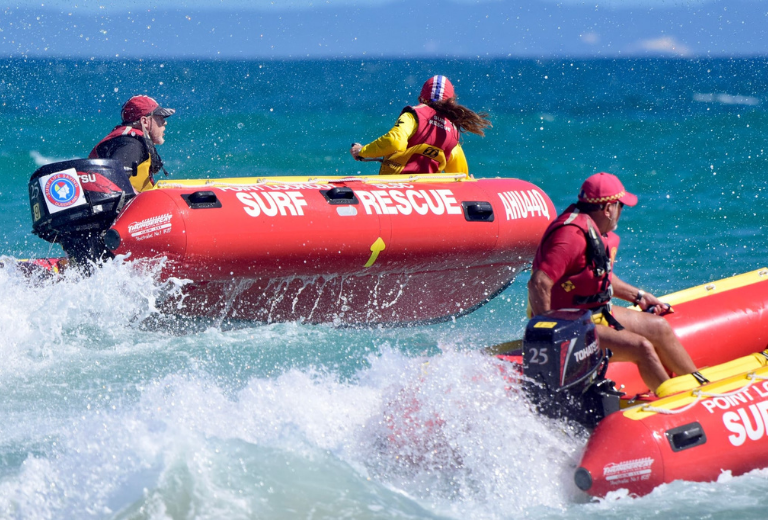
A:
[(692, 431), (395, 249), (689, 431)]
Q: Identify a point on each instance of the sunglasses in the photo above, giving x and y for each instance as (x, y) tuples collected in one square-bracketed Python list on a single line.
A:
[(159, 120)]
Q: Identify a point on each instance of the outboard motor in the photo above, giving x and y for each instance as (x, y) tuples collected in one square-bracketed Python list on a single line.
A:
[(565, 368), (74, 202)]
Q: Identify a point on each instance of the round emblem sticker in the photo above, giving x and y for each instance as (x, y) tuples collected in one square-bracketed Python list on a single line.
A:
[(61, 190)]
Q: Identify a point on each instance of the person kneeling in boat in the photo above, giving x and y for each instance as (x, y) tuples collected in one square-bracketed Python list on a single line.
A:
[(425, 138), (573, 268), (133, 141)]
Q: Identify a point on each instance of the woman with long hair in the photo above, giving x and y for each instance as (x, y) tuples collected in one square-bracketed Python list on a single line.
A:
[(426, 137)]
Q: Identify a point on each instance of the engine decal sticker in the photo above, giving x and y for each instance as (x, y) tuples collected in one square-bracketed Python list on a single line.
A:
[(62, 190)]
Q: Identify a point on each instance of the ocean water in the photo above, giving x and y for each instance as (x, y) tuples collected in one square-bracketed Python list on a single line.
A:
[(111, 410)]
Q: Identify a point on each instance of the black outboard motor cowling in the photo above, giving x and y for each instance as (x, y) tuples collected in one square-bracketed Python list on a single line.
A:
[(74, 202), (565, 367)]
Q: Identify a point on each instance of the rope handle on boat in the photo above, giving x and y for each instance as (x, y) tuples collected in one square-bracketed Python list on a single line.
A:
[(316, 180), (384, 180), (700, 394)]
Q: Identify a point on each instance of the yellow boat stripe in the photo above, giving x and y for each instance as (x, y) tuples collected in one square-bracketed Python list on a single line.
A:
[(715, 373), (735, 383), (719, 286)]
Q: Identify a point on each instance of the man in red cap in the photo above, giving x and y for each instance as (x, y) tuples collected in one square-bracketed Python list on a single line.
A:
[(573, 268), (133, 141), (426, 137)]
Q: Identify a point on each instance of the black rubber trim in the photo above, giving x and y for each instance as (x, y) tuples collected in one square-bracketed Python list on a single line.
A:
[(112, 239), (583, 479)]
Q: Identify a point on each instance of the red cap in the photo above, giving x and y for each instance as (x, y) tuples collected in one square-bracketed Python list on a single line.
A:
[(605, 187), (437, 88), (139, 106)]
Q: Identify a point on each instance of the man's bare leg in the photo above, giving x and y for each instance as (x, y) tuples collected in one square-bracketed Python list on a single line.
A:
[(658, 331), (628, 346)]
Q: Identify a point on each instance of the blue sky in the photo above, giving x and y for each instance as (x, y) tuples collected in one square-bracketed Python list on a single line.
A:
[(279, 29), (95, 5)]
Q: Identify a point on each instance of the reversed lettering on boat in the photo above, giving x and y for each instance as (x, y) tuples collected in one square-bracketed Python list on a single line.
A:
[(628, 471), (150, 227), (278, 187), (524, 204)]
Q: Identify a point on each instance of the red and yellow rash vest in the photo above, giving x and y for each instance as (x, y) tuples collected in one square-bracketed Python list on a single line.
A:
[(420, 142), (430, 145), (590, 287), (143, 179)]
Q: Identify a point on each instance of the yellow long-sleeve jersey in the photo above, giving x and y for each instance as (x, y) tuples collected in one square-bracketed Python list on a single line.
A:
[(396, 140)]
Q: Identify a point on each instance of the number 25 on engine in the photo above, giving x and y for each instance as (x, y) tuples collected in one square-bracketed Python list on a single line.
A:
[(538, 356)]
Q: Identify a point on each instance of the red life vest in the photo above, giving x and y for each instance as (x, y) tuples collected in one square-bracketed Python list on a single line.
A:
[(118, 131), (591, 287), (432, 130), (144, 175)]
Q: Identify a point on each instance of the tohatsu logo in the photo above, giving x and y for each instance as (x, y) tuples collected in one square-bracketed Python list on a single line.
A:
[(587, 351)]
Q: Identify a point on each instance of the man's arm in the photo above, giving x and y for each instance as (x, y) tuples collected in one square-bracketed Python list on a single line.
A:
[(540, 292), (642, 299), (622, 289)]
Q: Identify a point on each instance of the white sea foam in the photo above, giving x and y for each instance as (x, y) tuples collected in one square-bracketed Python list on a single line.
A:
[(42, 160), (45, 316), (114, 420), (185, 441), (726, 99)]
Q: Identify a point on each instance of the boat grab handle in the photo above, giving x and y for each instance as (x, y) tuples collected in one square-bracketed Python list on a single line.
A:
[(478, 211), (340, 195), (202, 200), (686, 436)]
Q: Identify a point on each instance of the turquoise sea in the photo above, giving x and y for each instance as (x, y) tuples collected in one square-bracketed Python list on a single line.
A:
[(107, 412)]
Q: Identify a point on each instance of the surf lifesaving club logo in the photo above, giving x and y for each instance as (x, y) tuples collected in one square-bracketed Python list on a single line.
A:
[(62, 190)]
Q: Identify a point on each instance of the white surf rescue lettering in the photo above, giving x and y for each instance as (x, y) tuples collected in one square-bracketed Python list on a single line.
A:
[(522, 204), (726, 402), (746, 413), (587, 351), (272, 203), (747, 423), (421, 202)]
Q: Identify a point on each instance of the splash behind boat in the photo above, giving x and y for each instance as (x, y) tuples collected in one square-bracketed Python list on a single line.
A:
[(394, 249)]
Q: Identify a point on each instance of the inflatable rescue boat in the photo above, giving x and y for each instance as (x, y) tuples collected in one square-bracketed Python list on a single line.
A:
[(693, 429), (379, 249)]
